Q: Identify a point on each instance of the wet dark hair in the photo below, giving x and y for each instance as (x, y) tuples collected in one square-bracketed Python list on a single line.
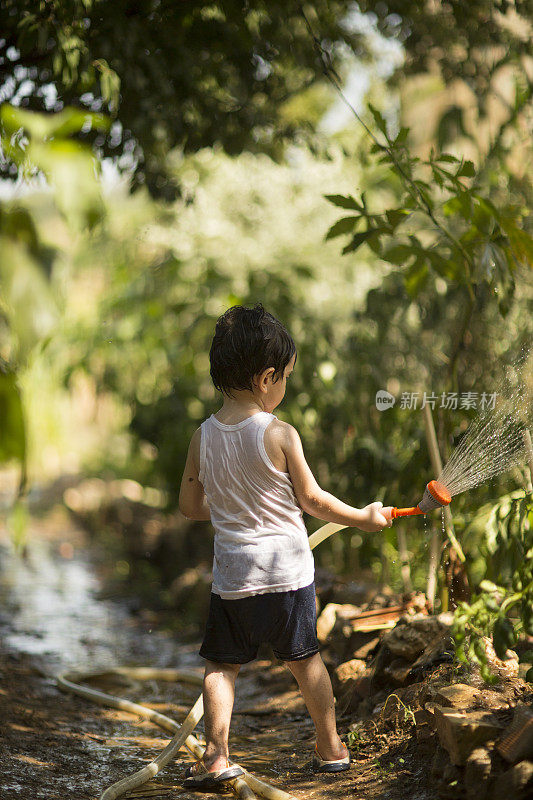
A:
[(246, 342)]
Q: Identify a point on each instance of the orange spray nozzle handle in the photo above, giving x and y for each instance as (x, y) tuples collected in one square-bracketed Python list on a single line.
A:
[(405, 512), (391, 512), (436, 495)]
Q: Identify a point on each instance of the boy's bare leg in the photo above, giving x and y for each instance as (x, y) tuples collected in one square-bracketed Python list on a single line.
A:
[(219, 694), (315, 686)]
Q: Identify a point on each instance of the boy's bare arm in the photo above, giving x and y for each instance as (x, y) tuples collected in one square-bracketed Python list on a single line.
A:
[(314, 500), (192, 500)]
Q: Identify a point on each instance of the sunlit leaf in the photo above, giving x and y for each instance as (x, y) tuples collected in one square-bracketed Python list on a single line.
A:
[(344, 202), (71, 170), (47, 126), (357, 241), (395, 216), (27, 296), (398, 254), (416, 277), (12, 429), (378, 118), (467, 169), (343, 225)]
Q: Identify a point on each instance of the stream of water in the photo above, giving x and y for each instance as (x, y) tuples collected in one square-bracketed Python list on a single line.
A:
[(499, 438)]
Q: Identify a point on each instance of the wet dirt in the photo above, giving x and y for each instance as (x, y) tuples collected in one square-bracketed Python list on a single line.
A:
[(57, 745)]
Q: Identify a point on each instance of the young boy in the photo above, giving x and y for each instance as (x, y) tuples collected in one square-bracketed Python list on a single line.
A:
[(246, 472)]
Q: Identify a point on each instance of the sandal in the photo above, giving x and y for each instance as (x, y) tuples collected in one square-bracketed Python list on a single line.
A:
[(210, 781), (339, 765)]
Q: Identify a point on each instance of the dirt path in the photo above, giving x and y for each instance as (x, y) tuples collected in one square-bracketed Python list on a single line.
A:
[(57, 745)]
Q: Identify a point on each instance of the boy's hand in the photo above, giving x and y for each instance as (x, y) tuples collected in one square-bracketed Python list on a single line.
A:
[(374, 518)]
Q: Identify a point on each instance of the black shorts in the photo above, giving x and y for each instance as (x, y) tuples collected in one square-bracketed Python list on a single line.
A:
[(285, 620)]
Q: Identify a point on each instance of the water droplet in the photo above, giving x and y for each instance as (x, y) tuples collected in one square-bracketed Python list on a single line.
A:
[(494, 441)]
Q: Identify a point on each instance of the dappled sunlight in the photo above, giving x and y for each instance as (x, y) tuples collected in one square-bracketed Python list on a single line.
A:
[(35, 761)]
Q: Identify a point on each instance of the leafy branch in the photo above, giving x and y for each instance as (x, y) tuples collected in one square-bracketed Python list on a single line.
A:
[(487, 614), (470, 241)]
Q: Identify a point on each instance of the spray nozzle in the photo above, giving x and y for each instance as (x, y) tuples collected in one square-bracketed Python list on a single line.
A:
[(436, 495)]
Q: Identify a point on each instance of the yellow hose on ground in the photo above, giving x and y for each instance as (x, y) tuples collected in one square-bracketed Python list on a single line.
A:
[(244, 786)]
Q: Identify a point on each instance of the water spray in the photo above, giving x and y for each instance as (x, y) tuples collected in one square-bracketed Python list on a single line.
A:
[(436, 495)]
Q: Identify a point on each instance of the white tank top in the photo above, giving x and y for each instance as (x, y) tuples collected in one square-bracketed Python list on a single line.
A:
[(261, 543)]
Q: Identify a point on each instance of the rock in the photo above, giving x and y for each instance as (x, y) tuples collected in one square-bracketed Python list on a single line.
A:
[(349, 671), (450, 773), (398, 671), (440, 760), (505, 669), (424, 722), (327, 619), (413, 694), (382, 599), (458, 695), (462, 732), (515, 784), (361, 643), (450, 785), (516, 743), (352, 681), (409, 639), (401, 670), (477, 774), (490, 699), (355, 690), (439, 651)]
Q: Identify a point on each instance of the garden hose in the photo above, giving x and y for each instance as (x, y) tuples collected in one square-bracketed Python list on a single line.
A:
[(244, 786)]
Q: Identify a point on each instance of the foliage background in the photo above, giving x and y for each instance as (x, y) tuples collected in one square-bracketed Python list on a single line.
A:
[(106, 329)]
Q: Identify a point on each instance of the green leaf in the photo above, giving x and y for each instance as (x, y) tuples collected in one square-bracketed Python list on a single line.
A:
[(415, 277), (109, 84), (446, 267), (460, 204), (12, 430), (80, 199), (374, 241), (395, 216), (488, 676), (343, 225), (17, 524), (503, 636), (343, 201), (47, 126), (447, 157), (437, 177), (358, 240), (489, 586), (466, 169), (29, 302), (378, 118), (398, 254), (402, 136), (521, 242)]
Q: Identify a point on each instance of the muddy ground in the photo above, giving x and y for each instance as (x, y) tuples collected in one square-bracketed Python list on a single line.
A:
[(58, 746), (55, 617)]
